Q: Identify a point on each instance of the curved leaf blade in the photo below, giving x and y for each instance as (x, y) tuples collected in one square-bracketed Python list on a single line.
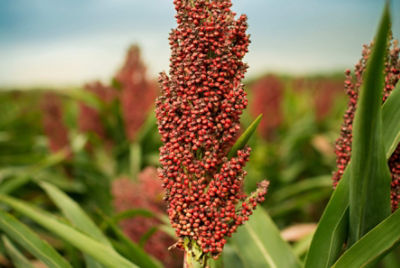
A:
[(20, 233), (18, 259), (244, 138), (332, 229), (100, 252), (75, 214), (391, 122), (369, 201), (329, 237), (372, 245), (259, 243)]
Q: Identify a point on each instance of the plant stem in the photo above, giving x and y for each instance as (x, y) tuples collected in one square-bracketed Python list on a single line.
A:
[(190, 262)]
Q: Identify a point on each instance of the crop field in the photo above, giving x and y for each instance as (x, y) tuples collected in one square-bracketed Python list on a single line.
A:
[(204, 165)]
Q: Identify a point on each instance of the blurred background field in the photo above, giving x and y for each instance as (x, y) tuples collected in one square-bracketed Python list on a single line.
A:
[(77, 92)]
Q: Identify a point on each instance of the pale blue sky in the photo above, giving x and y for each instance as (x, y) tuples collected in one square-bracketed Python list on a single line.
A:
[(68, 42)]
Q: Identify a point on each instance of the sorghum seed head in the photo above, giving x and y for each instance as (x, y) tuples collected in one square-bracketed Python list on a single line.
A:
[(198, 118)]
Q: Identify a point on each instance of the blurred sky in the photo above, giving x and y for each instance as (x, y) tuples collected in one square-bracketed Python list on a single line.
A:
[(68, 42)]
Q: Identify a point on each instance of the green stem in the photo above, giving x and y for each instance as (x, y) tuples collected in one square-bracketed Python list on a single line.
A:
[(190, 262)]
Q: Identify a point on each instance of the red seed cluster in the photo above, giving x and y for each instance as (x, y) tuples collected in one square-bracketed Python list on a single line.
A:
[(267, 100), (325, 93), (146, 193), (89, 119), (198, 117), (54, 128), (137, 93), (352, 86)]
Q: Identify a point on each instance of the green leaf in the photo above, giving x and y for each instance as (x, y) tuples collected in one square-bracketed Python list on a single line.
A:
[(146, 236), (306, 185), (259, 243), (231, 258), (21, 234), (372, 245), (131, 213), (23, 176), (18, 259), (392, 259), (100, 252), (331, 231), (148, 127), (369, 201), (244, 138), (87, 97), (332, 228), (13, 184), (391, 122), (74, 213)]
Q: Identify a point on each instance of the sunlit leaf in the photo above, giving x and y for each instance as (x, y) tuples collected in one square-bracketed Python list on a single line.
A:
[(25, 237), (259, 243), (18, 259), (100, 252)]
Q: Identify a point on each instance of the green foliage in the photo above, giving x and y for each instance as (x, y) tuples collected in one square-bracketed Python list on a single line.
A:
[(244, 138), (332, 229), (373, 245), (21, 234), (370, 177), (19, 260), (100, 252), (259, 244), (73, 222)]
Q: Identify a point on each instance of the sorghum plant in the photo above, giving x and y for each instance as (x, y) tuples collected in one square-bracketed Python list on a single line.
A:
[(352, 86), (145, 193), (198, 116), (89, 119), (137, 92), (53, 126)]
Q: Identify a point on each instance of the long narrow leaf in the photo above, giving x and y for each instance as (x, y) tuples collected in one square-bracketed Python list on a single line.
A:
[(18, 259), (370, 176), (332, 229), (39, 248), (100, 252), (244, 138), (259, 243), (390, 120), (372, 245), (73, 212), (332, 225)]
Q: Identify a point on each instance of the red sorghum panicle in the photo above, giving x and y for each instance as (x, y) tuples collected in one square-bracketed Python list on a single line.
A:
[(198, 117), (267, 100), (137, 93), (352, 86), (325, 92), (54, 128), (89, 119), (146, 193)]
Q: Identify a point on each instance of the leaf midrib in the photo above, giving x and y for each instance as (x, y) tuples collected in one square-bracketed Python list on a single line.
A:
[(259, 244)]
